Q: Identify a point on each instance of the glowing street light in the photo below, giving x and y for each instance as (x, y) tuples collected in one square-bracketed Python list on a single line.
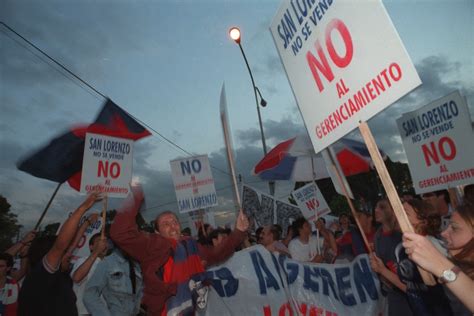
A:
[(235, 35)]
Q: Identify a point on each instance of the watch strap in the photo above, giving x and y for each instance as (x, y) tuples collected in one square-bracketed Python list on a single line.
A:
[(455, 270)]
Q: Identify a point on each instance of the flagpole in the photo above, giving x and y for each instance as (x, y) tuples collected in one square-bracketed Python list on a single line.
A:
[(228, 146), (47, 207), (315, 209)]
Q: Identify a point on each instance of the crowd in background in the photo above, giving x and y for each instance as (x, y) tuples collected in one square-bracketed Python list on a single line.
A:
[(132, 272)]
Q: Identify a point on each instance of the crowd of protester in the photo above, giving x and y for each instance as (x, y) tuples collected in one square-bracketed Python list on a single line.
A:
[(132, 272)]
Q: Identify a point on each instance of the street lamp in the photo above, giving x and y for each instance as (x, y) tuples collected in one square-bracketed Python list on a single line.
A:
[(235, 35)]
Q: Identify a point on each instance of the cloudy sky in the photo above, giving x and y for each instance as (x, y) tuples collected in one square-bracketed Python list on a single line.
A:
[(164, 62)]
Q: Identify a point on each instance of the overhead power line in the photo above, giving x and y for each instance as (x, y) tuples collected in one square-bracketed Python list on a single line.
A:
[(91, 87)]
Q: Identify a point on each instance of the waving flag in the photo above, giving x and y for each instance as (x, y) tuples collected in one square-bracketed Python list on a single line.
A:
[(295, 159), (61, 159), (114, 121)]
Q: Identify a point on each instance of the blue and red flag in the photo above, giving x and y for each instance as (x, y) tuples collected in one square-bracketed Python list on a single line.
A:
[(295, 159), (61, 159)]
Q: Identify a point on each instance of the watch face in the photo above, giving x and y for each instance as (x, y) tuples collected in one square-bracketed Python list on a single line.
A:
[(449, 275)]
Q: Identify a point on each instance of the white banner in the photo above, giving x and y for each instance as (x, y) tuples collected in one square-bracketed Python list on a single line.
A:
[(193, 183), (438, 141), (263, 209), (311, 201), (257, 282), (345, 63), (107, 165)]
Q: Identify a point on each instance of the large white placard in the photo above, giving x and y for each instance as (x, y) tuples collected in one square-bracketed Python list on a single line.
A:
[(311, 201), (345, 63), (107, 165), (439, 143), (257, 282), (193, 183)]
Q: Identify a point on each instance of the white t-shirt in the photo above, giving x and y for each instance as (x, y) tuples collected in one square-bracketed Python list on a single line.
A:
[(305, 252), (79, 288)]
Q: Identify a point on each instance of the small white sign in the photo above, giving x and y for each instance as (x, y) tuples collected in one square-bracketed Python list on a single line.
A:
[(107, 165), (82, 249), (193, 183), (311, 201), (438, 141), (345, 63)]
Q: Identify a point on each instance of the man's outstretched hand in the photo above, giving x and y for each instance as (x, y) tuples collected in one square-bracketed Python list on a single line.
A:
[(242, 222), (91, 199)]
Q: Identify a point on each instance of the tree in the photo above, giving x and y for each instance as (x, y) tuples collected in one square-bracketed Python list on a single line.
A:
[(9, 226)]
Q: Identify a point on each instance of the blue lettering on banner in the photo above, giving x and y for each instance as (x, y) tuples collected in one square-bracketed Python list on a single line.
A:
[(364, 281), (277, 267), (344, 285), (223, 274), (348, 285), (327, 280), (309, 282), (264, 281), (290, 268), (232, 284)]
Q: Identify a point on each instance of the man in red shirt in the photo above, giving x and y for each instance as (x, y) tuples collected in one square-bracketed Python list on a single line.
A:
[(169, 261)]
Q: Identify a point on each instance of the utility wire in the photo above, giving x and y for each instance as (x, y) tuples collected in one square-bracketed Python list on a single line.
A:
[(95, 90)]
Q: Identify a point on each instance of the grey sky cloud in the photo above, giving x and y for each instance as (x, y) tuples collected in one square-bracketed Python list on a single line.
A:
[(141, 55)]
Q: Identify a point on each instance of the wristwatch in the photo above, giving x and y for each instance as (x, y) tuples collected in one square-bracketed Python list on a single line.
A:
[(449, 275)]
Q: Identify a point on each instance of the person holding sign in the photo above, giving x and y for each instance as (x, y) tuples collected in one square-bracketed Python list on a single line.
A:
[(169, 262), (305, 247), (47, 289), (423, 299), (271, 240), (383, 261), (329, 250), (457, 271)]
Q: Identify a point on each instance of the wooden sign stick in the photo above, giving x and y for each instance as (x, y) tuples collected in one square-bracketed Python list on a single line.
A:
[(353, 210), (104, 211), (392, 194)]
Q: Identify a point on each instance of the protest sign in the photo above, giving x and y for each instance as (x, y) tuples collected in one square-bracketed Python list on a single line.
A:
[(257, 282), (345, 63), (107, 165), (82, 249), (193, 183), (311, 201), (438, 141), (263, 209)]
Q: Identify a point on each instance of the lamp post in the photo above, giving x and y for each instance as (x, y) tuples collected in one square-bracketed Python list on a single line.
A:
[(235, 34)]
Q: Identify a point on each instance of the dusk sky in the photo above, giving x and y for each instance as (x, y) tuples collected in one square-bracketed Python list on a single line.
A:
[(165, 63)]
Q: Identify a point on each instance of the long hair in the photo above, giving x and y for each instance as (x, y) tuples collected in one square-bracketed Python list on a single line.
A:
[(389, 213), (465, 258), (431, 220)]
